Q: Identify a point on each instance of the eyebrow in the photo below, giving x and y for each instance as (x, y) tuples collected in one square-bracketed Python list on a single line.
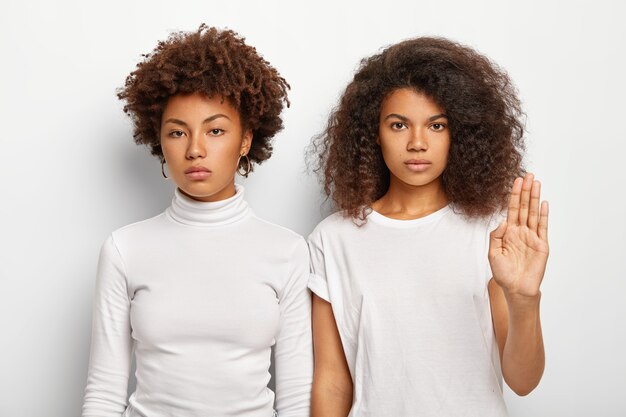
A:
[(397, 116), (207, 120), (437, 116), (406, 119)]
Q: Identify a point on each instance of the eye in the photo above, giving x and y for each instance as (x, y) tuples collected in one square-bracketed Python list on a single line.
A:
[(437, 127), (176, 134), (216, 132), (398, 126)]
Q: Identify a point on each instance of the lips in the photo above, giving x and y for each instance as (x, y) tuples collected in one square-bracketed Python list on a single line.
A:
[(197, 173), (196, 169), (418, 165)]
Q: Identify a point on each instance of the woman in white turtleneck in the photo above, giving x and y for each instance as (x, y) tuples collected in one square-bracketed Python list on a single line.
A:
[(201, 292)]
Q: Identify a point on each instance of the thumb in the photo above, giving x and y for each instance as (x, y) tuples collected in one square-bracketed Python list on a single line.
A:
[(495, 237)]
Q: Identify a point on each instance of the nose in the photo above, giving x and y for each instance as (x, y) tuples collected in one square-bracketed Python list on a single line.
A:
[(196, 147), (418, 141)]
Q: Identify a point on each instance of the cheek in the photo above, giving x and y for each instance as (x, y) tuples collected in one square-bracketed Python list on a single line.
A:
[(393, 158), (444, 149), (390, 149), (446, 152), (389, 154), (172, 150), (224, 152)]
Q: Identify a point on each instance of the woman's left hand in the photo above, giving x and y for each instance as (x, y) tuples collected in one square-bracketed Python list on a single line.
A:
[(518, 248)]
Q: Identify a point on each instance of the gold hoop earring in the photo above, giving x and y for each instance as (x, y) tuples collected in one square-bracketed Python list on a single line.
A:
[(163, 168), (248, 166)]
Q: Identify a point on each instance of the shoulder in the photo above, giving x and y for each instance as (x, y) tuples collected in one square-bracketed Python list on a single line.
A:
[(483, 223), (337, 223), (280, 247), (138, 232), (472, 230), (276, 235)]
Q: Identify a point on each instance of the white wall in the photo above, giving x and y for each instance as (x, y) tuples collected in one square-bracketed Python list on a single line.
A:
[(70, 173)]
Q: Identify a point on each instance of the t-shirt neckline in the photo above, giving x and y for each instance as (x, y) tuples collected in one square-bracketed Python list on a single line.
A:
[(376, 217)]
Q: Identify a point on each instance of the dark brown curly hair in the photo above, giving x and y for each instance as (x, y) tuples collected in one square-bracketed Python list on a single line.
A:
[(484, 114), (213, 62)]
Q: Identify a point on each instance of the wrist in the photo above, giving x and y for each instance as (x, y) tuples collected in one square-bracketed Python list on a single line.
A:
[(522, 302)]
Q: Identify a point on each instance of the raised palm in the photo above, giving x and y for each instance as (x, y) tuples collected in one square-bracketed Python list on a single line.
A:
[(518, 248)]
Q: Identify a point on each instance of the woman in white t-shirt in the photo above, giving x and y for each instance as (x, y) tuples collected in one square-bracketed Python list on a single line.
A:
[(201, 293), (420, 306)]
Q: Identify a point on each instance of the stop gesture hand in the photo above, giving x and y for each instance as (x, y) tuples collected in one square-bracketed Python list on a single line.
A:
[(518, 248)]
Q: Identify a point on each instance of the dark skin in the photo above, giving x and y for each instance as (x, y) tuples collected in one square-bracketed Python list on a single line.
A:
[(332, 383), (414, 140), (202, 133)]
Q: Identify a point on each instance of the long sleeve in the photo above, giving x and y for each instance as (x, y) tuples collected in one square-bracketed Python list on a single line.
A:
[(111, 344), (293, 352)]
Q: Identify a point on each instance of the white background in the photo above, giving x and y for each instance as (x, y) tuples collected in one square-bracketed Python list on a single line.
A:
[(70, 172)]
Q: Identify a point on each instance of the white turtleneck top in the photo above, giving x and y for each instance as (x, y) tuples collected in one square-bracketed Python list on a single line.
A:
[(201, 293)]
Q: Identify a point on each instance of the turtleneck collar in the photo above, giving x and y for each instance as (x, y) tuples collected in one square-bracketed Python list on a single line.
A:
[(208, 214)]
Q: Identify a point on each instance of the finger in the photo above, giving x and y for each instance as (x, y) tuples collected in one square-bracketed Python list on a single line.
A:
[(533, 210), (525, 199), (495, 237), (498, 232), (512, 217), (542, 231)]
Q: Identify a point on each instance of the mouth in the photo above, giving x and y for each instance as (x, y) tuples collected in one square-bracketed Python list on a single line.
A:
[(418, 165), (197, 173)]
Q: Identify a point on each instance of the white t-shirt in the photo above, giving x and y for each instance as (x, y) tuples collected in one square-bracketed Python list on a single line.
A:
[(411, 303), (201, 293)]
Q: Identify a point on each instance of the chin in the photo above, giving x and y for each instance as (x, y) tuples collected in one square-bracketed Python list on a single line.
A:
[(418, 180), (202, 190), (200, 193)]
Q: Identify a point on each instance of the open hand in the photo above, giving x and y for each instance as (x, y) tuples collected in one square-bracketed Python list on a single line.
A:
[(518, 248)]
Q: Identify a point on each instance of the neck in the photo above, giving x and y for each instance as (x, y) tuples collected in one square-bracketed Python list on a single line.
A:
[(405, 201)]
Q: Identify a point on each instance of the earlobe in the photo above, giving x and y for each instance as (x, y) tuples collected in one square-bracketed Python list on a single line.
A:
[(246, 142)]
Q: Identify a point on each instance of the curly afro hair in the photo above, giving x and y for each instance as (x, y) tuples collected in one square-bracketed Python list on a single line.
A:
[(216, 63), (484, 117)]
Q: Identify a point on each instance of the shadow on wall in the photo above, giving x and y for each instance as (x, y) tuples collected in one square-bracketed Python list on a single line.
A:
[(143, 189)]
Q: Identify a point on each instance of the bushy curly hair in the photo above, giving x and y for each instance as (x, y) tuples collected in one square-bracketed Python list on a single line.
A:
[(484, 115), (216, 63)]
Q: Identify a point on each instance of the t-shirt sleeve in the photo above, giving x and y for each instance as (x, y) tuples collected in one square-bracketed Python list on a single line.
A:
[(293, 353), (317, 281), (111, 343)]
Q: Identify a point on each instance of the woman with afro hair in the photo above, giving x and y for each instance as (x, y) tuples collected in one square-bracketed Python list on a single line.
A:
[(201, 292), (420, 306)]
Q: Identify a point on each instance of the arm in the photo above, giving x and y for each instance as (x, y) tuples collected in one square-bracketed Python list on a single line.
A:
[(332, 383), (518, 254), (293, 354), (111, 345)]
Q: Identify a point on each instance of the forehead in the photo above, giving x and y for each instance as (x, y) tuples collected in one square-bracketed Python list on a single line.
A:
[(198, 106), (409, 103)]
